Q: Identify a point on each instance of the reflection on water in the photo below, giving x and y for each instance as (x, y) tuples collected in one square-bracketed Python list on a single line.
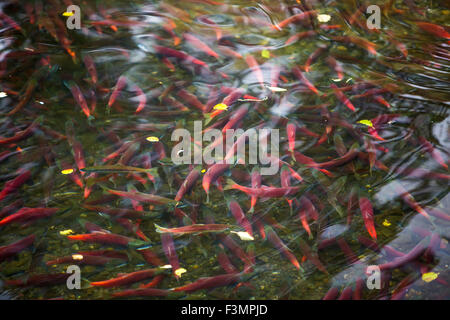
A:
[(85, 149)]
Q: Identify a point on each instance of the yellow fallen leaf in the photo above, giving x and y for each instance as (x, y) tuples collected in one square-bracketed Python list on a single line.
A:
[(265, 54), (276, 89), (66, 232), (429, 276), (152, 139), (386, 223), (366, 122), (77, 257), (203, 170), (323, 17), (180, 271), (220, 106), (245, 236), (67, 14), (67, 171)]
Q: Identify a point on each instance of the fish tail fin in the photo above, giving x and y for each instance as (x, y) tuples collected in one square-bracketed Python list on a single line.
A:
[(229, 185), (159, 229)]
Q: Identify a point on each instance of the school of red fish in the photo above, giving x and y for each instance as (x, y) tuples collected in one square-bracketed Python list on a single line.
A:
[(88, 130)]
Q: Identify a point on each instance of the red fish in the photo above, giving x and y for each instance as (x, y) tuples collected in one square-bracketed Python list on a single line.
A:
[(301, 35), (264, 191), (236, 250), (188, 183), (371, 151), (118, 212), (342, 98), (213, 173), (431, 150), (141, 197), (303, 79), (296, 17), (256, 220), (361, 42), (253, 64), (211, 282), (88, 187), (346, 294), (313, 57), (156, 280), (310, 209), (230, 52), (374, 133), (20, 135), (349, 254), (369, 243), (240, 217), (332, 294), (141, 97), (9, 21), (382, 101), (104, 238), (311, 256), (89, 62), (14, 248), (410, 201), (434, 29), (280, 246), (304, 221), (74, 176), (7, 210), (225, 262), (337, 66), (151, 257), (120, 85), (40, 280), (415, 253), (301, 158), (29, 8), (232, 96), (79, 98), (367, 214), (191, 99), (235, 118), (113, 254), (211, 23), (256, 183), (14, 184), (194, 228), (133, 227), (127, 278), (290, 131), (28, 214), (197, 43), (169, 27), (170, 252), (77, 148), (183, 56)]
